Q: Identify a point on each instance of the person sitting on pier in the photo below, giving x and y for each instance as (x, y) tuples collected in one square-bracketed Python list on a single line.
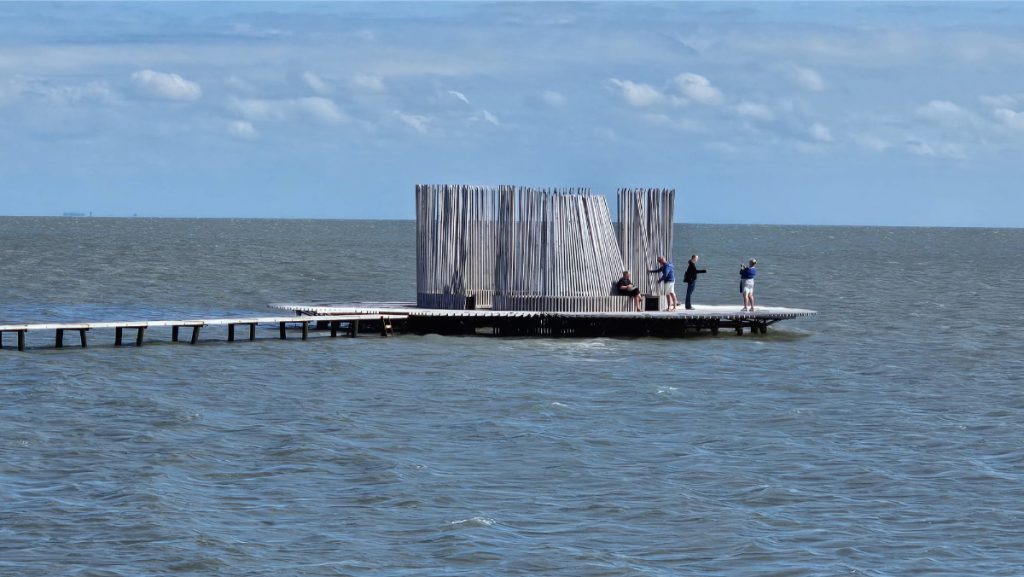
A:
[(626, 287), (747, 274), (668, 276)]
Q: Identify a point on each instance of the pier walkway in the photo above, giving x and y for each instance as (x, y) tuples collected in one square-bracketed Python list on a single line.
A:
[(353, 325)]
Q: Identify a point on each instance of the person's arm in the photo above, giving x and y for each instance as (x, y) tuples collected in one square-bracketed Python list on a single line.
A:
[(702, 271)]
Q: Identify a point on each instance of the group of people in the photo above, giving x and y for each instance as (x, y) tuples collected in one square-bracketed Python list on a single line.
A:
[(748, 271)]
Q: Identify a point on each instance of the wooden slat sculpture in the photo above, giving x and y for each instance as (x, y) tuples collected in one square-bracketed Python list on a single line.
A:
[(512, 248), (645, 232)]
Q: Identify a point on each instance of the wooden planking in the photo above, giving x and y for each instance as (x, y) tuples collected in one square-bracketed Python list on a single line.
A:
[(196, 324), (552, 249), (645, 231), (411, 310)]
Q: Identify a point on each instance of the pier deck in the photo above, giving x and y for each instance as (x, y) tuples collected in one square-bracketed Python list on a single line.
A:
[(332, 322), (522, 323)]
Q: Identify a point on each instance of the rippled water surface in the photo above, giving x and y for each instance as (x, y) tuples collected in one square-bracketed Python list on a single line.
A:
[(884, 436)]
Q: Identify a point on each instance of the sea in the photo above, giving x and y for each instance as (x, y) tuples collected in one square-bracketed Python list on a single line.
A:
[(882, 437)]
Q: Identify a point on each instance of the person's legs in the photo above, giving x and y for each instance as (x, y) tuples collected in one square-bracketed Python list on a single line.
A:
[(689, 293)]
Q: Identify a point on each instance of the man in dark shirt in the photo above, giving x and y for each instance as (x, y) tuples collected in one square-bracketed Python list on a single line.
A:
[(690, 278), (626, 287)]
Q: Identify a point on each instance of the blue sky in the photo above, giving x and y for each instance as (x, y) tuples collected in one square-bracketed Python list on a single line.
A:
[(778, 113)]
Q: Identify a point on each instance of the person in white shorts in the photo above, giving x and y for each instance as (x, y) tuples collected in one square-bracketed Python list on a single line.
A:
[(668, 276), (747, 274)]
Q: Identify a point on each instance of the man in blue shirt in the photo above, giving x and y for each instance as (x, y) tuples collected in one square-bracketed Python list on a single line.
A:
[(747, 274), (668, 276)]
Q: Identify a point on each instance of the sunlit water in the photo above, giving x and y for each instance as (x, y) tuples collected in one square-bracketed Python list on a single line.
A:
[(884, 436)]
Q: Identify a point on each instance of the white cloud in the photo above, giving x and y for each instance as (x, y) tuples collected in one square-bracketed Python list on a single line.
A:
[(418, 123), (459, 95), (872, 142), (56, 94), (166, 85), (943, 111), (1010, 118), (637, 94), (683, 124), (491, 118), (369, 82), (696, 88), (1001, 100), (317, 108), (242, 129), (755, 111), (942, 150), (808, 79), (239, 84), (820, 132), (552, 98), (322, 109), (316, 83)]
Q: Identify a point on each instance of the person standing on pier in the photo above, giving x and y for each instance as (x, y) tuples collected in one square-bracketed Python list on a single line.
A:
[(690, 278), (747, 274), (668, 276), (626, 287)]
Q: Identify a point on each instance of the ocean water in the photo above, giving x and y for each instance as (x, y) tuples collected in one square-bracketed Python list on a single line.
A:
[(883, 437)]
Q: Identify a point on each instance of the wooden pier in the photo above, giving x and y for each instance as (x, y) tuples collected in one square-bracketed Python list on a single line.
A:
[(709, 319), (349, 324)]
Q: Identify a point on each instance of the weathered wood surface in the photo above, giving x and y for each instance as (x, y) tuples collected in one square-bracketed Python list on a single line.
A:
[(516, 248), (411, 310), (59, 329), (705, 319), (645, 232)]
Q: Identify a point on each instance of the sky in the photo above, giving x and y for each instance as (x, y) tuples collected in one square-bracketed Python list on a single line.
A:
[(905, 114)]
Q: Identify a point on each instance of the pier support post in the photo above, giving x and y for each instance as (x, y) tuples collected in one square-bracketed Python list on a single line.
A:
[(231, 332), (59, 339), (195, 334), (252, 331), (141, 332), (305, 330), (1, 339), (174, 333), (118, 333), (21, 340), (281, 331), (353, 328), (739, 328), (334, 328), (81, 336)]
